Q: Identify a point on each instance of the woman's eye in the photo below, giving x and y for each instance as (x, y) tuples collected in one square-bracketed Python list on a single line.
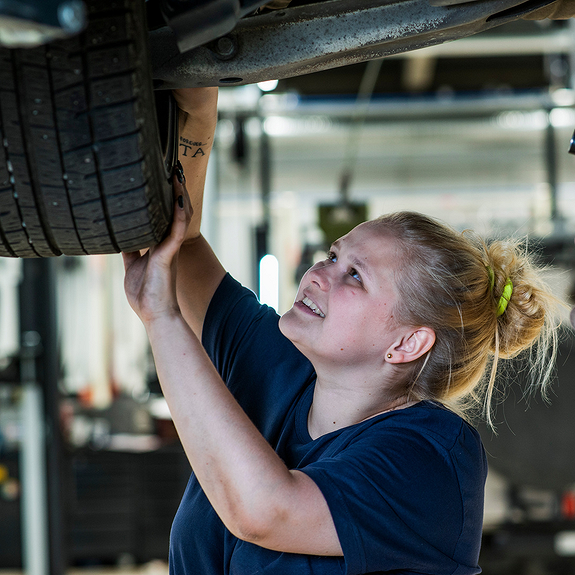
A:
[(331, 257), (355, 274)]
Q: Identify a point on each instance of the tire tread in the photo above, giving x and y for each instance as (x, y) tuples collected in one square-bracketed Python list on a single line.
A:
[(80, 166)]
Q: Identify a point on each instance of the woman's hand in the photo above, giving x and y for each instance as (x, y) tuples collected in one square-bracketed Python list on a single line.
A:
[(150, 280)]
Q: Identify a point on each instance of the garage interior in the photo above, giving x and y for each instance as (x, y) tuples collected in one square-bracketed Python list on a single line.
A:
[(475, 132)]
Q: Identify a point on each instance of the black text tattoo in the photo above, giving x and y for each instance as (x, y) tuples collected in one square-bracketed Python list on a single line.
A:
[(195, 148)]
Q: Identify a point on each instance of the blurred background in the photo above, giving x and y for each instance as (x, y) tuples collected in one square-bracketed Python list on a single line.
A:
[(474, 132)]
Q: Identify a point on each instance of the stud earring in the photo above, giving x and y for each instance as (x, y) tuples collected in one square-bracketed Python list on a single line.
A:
[(389, 356)]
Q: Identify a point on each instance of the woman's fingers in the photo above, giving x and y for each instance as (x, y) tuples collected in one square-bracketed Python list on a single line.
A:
[(150, 280), (167, 250), (183, 206)]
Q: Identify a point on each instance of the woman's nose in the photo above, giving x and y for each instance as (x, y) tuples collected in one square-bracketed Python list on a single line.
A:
[(319, 275)]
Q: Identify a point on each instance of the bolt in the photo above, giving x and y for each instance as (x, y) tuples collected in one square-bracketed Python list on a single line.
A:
[(72, 15), (31, 338), (225, 47)]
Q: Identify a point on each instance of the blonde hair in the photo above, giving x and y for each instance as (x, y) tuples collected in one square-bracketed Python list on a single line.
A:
[(445, 284)]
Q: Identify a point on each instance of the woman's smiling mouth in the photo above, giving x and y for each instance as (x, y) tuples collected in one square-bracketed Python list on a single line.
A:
[(311, 305)]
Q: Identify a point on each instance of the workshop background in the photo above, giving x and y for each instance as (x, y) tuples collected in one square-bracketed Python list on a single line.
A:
[(474, 132)]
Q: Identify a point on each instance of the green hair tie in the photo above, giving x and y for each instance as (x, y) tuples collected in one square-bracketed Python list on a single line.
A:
[(505, 296), (491, 277)]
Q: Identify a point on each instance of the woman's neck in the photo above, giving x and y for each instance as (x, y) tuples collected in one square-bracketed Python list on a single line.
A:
[(335, 407)]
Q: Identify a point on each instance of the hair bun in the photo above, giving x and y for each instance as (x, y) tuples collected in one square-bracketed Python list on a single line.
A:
[(519, 291)]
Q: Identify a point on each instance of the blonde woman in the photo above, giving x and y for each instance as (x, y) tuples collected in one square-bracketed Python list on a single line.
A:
[(329, 441)]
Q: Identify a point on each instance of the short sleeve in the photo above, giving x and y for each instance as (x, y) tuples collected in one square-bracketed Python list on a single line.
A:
[(403, 500), (261, 367)]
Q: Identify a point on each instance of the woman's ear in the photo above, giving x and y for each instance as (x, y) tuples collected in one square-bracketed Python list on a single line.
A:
[(411, 347)]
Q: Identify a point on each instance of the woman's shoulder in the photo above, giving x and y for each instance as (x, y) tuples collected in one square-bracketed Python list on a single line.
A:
[(428, 421), (228, 293), (233, 309)]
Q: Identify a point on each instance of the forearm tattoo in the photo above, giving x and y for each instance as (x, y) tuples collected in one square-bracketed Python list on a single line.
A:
[(191, 149)]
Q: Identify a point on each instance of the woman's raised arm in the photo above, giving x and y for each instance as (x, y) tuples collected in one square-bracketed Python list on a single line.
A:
[(256, 496), (199, 271)]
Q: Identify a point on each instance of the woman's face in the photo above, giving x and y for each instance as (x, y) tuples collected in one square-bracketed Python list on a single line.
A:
[(343, 311)]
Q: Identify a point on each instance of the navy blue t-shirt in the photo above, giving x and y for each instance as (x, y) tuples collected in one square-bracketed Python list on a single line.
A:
[(405, 488)]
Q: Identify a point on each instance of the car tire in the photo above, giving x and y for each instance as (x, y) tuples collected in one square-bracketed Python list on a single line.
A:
[(83, 169)]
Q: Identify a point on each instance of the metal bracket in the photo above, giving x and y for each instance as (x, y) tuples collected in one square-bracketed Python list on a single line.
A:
[(195, 23), (316, 37)]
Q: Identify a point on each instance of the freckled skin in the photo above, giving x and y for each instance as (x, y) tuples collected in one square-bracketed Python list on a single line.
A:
[(354, 300)]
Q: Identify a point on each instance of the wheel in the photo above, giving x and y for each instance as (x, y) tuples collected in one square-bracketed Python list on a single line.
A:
[(82, 167)]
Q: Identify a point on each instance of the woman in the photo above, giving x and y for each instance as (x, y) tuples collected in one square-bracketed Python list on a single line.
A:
[(328, 441)]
